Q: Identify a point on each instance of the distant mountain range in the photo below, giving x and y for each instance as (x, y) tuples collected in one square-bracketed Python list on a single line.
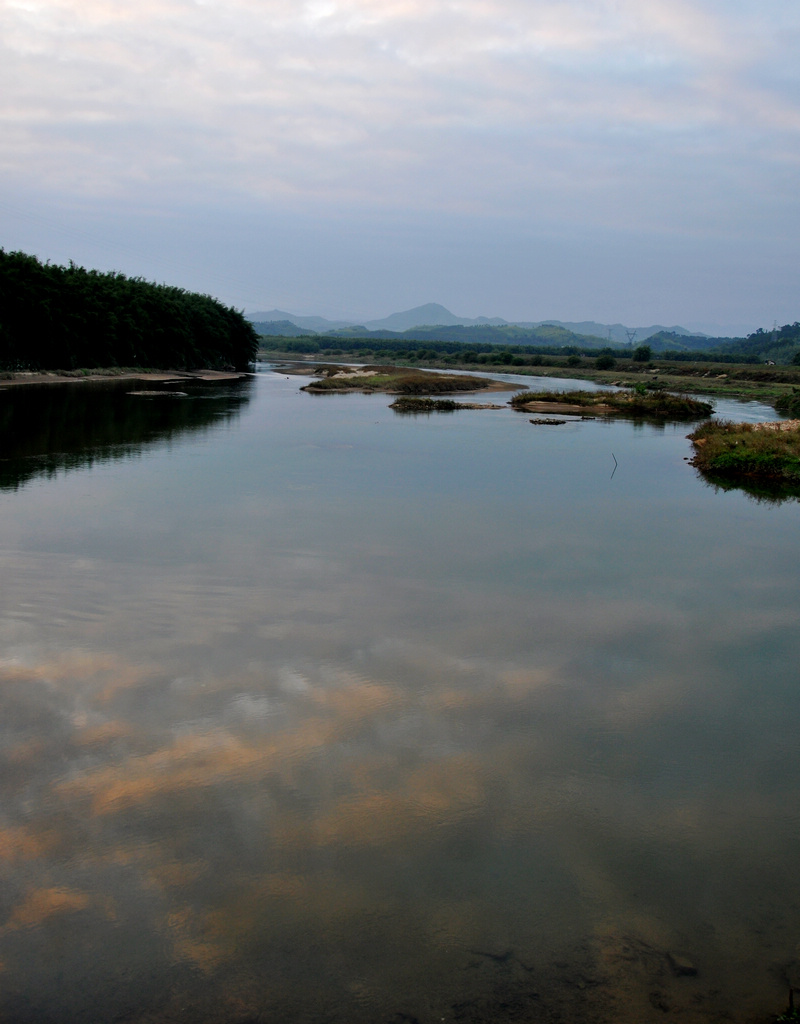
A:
[(432, 314), (429, 315)]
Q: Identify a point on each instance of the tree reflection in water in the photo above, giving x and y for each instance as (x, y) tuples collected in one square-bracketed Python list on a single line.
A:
[(61, 427)]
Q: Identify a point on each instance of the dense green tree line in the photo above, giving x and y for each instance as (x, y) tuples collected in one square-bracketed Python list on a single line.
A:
[(479, 354), (407, 350), (781, 345), (54, 317)]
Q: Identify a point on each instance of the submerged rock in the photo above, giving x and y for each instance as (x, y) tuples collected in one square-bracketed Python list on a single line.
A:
[(682, 967)]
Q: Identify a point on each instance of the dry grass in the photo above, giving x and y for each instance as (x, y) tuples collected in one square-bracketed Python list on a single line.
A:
[(395, 380), (634, 404)]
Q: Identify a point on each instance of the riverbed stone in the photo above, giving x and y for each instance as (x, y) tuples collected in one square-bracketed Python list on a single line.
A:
[(682, 966)]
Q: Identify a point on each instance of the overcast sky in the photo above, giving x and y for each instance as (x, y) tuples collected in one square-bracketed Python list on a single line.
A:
[(618, 160)]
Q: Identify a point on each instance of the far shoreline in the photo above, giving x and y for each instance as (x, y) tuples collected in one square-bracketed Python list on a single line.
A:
[(746, 382)]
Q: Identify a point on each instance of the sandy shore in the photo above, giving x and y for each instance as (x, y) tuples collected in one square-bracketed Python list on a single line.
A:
[(780, 427), (568, 408), (155, 377)]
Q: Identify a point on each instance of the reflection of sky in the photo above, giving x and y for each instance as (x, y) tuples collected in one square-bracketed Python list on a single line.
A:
[(390, 689)]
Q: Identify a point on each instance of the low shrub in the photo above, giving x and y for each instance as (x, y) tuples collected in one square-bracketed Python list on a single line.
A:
[(416, 405), (728, 449), (789, 405)]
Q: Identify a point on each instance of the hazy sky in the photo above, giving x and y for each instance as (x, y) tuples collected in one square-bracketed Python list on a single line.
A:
[(634, 160)]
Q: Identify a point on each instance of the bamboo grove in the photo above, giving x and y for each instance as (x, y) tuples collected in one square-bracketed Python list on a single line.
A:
[(55, 317)]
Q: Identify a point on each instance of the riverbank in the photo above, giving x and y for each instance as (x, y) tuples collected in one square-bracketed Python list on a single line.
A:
[(114, 373), (718, 380), (757, 382)]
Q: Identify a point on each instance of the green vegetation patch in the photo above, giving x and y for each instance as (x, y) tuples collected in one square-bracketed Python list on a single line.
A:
[(789, 404), (414, 405), (638, 403), (769, 451)]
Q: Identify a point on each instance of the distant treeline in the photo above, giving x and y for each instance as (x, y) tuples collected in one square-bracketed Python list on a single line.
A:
[(485, 334), (479, 354), (405, 351), (54, 317), (782, 345)]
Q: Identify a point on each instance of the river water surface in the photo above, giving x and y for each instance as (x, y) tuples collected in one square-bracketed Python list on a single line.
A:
[(310, 712)]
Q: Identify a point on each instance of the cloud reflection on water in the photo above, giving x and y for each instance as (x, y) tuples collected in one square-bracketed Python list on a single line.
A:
[(451, 754), (285, 777)]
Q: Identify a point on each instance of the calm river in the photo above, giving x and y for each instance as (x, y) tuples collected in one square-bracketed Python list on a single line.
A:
[(311, 713)]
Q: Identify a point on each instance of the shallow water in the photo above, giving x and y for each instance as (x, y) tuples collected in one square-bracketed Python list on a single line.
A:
[(315, 713)]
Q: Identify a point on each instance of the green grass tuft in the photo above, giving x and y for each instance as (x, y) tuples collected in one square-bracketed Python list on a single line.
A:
[(763, 461)]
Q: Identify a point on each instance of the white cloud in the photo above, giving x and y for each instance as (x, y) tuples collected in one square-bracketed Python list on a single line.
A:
[(661, 114), (330, 76)]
